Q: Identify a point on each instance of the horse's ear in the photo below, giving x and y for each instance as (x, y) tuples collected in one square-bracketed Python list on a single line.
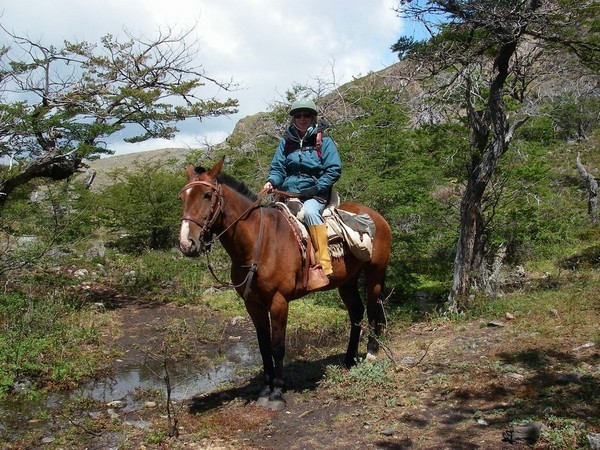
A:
[(190, 172), (216, 170)]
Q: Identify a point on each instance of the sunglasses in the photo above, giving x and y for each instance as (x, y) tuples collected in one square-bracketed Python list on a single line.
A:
[(305, 115)]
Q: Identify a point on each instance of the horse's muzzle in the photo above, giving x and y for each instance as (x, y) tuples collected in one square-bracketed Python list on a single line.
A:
[(189, 248), (187, 244)]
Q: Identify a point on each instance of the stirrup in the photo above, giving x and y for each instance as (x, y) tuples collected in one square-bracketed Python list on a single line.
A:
[(316, 278)]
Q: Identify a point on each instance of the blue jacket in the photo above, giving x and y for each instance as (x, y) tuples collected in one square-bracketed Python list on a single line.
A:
[(296, 165)]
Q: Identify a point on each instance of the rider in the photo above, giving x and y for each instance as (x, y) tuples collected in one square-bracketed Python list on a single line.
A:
[(308, 164)]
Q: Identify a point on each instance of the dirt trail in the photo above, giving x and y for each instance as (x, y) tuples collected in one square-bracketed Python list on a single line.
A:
[(425, 411), (454, 386)]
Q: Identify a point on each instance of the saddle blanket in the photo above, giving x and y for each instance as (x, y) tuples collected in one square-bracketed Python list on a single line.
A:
[(357, 230)]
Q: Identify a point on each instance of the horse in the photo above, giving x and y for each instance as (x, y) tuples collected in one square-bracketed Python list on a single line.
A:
[(267, 267)]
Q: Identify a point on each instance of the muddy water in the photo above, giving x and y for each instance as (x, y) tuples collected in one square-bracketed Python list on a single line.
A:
[(17, 417)]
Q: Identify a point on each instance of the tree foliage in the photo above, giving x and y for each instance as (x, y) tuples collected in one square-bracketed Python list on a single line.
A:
[(58, 105)]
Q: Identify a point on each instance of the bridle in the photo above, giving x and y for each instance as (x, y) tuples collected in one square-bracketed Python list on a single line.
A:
[(216, 207)]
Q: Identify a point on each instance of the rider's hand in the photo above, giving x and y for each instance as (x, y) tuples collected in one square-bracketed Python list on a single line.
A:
[(268, 187)]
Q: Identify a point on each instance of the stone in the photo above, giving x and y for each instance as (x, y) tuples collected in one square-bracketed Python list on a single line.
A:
[(408, 361), (528, 433), (584, 346), (80, 273), (568, 378), (594, 440)]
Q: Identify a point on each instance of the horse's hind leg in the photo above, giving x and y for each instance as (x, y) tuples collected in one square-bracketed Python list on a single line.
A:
[(356, 310), (375, 313)]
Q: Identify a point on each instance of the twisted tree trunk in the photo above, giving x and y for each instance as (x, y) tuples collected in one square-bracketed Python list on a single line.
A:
[(592, 187)]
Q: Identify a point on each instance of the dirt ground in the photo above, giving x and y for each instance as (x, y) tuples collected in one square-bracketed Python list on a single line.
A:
[(453, 387), (449, 386)]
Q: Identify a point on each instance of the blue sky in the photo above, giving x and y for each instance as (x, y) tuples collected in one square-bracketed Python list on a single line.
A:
[(265, 46)]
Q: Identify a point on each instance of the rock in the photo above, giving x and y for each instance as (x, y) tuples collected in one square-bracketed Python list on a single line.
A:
[(98, 250), (529, 334), (567, 378), (80, 273), (594, 440), (482, 422), (388, 431), (408, 361), (529, 433), (584, 346), (236, 320), (515, 376), (116, 404), (150, 404), (495, 324), (509, 316)]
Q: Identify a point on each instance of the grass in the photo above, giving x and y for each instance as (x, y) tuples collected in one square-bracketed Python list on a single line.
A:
[(42, 340), (504, 375)]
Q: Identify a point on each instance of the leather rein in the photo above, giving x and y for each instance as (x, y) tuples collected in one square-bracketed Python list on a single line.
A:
[(216, 207)]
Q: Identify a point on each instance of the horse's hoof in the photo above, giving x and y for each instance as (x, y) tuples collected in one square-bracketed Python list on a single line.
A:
[(264, 397), (276, 405), (370, 357), (263, 402)]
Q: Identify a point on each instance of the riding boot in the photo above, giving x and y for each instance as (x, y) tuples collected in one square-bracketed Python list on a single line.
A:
[(318, 273), (318, 234)]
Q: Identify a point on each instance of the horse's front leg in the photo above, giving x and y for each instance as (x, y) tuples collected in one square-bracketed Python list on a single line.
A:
[(279, 316), (260, 319)]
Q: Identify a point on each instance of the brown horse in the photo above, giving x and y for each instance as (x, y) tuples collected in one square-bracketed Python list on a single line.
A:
[(267, 265)]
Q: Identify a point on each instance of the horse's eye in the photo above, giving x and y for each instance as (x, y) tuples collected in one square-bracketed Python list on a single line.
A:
[(207, 195)]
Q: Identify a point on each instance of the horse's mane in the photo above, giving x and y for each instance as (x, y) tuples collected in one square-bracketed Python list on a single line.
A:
[(232, 182)]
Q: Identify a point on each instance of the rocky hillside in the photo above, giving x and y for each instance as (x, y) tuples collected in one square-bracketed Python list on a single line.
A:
[(104, 166)]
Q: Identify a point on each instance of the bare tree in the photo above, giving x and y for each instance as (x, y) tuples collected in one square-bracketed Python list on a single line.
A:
[(592, 188)]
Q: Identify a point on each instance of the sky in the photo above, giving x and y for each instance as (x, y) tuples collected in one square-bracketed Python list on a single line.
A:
[(264, 46)]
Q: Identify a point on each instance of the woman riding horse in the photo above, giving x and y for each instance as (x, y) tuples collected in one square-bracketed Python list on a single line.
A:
[(308, 164), (269, 272)]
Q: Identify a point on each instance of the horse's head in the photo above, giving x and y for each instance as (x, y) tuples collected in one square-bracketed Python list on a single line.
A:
[(202, 203)]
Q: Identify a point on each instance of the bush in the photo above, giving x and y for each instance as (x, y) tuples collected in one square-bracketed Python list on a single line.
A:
[(142, 205)]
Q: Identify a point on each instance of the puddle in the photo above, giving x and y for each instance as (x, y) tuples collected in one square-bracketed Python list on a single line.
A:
[(187, 379)]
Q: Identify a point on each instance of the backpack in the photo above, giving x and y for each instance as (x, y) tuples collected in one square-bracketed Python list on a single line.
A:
[(289, 144)]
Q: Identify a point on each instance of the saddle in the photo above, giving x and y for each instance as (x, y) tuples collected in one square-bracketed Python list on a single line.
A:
[(345, 230)]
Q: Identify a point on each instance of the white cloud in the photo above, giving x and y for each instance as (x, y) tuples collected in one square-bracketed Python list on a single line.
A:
[(264, 45)]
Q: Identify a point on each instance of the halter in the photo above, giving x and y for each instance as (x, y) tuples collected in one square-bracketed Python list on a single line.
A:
[(211, 217)]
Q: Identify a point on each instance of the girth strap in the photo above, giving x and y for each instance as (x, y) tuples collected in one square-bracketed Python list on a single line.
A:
[(253, 268)]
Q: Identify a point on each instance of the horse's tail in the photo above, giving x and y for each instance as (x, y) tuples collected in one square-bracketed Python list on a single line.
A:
[(382, 297), (382, 294)]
